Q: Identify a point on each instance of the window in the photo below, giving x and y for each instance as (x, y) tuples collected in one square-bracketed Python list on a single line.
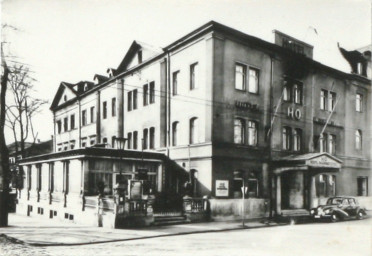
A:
[(113, 138), (331, 186), (239, 131), (175, 82), (325, 185), (252, 133), (193, 76), (297, 93), (331, 144), (59, 126), (145, 94), (194, 130), (92, 141), (83, 142), (65, 124), (72, 122), (323, 99), (129, 101), (323, 142), (297, 134), (152, 92), (286, 138), (145, 138), (331, 101), (129, 137), (240, 75), (358, 139), (252, 185), (359, 102), (135, 140), (104, 110), (92, 114), (135, 92), (253, 80), (286, 92), (84, 117), (139, 57), (362, 186), (113, 107), (152, 137), (174, 133), (72, 144)]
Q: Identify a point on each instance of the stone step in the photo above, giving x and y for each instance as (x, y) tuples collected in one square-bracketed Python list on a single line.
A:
[(169, 220)]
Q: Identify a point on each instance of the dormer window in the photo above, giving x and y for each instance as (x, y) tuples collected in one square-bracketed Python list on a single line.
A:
[(139, 57), (86, 87)]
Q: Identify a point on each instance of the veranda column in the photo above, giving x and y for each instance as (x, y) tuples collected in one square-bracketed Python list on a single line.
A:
[(278, 195), (312, 192)]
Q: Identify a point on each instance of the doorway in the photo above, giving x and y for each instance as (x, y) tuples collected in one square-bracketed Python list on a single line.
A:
[(292, 190)]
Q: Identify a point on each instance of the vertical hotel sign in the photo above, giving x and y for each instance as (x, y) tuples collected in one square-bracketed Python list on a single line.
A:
[(222, 188)]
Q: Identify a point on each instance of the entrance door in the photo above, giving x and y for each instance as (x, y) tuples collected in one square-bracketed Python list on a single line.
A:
[(292, 190)]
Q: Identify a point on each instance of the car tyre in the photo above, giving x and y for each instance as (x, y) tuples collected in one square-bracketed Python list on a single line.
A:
[(334, 217), (360, 215)]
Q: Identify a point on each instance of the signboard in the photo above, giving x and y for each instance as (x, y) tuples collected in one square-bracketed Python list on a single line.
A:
[(323, 161), (135, 189), (246, 105), (222, 188)]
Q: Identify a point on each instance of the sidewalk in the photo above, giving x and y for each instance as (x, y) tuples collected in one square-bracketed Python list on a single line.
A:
[(44, 232)]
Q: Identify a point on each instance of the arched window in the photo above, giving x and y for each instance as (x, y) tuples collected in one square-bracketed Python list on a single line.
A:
[(358, 139), (239, 131), (174, 133), (297, 134), (194, 127), (286, 134), (252, 133)]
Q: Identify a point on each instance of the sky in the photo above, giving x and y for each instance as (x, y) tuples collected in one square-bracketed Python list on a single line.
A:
[(72, 40)]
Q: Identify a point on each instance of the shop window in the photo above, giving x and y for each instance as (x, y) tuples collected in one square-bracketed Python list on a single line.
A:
[(83, 117), (113, 107), (239, 131), (362, 183), (174, 133), (194, 130), (193, 76), (98, 179), (129, 106), (104, 110), (252, 185), (297, 137), (358, 139), (359, 102), (253, 82), (72, 121), (240, 76), (175, 83), (92, 114), (252, 133), (152, 137), (237, 187), (286, 138), (152, 92), (145, 94)]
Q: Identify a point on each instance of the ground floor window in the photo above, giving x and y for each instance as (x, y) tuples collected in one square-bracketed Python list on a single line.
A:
[(100, 180), (362, 186), (326, 185)]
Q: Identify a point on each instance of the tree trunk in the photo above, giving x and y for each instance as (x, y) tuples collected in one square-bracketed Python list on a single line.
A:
[(4, 158)]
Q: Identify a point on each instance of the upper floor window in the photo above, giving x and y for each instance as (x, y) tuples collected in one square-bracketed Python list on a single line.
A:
[(331, 100), (327, 100), (331, 144), (323, 99), (72, 121), (358, 139), (152, 92), (113, 107), (286, 138), (92, 114), (84, 117), (145, 138), (65, 124), (135, 92), (145, 94), (239, 131), (59, 126), (174, 133), (323, 143), (194, 130), (135, 140), (104, 109), (129, 140), (175, 83), (297, 137), (286, 92), (253, 80), (359, 102), (193, 76), (152, 137), (252, 133), (240, 76), (297, 93), (129, 101)]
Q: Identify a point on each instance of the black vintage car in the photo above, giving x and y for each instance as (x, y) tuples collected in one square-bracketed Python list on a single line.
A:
[(339, 208)]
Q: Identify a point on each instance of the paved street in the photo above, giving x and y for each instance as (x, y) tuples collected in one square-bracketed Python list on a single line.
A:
[(342, 238)]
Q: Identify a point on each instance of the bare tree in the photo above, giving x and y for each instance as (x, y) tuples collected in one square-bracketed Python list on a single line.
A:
[(21, 107)]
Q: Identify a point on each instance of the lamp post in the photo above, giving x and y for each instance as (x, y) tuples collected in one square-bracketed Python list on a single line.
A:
[(120, 144)]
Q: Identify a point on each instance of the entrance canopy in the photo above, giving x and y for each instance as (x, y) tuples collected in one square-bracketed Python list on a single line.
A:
[(314, 162)]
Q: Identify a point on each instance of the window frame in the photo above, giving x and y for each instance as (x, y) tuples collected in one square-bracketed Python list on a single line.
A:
[(193, 130), (360, 100), (84, 117), (152, 138), (286, 138), (252, 126), (358, 139), (175, 82), (323, 99), (130, 101), (193, 76), (113, 106), (242, 128), (297, 139), (243, 79), (257, 78), (175, 133), (92, 114), (135, 99), (145, 94), (104, 110), (152, 92)]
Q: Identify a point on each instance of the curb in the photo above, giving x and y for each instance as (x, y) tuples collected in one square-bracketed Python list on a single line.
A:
[(39, 244)]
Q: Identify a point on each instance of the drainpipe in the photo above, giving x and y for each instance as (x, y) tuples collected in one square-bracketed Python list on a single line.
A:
[(54, 132), (270, 176), (98, 117), (79, 115), (168, 103)]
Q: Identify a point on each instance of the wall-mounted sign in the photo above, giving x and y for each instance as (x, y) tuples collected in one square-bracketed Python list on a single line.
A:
[(294, 113), (222, 188), (323, 161), (246, 105)]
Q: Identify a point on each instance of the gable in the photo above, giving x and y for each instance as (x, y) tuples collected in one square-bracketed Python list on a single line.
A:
[(64, 94), (323, 160)]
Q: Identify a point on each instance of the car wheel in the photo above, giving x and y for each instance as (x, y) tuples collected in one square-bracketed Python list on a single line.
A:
[(360, 215), (334, 217)]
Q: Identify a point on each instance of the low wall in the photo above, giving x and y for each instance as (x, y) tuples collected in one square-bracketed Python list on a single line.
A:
[(231, 209)]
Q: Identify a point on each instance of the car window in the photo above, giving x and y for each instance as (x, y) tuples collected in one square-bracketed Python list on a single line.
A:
[(345, 202), (352, 202)]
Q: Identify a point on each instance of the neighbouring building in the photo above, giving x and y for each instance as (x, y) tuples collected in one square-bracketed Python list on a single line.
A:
[(217, 108)]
